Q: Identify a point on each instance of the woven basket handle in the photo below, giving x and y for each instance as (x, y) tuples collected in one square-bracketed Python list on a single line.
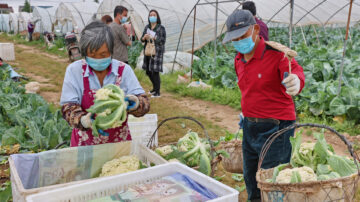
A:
[(152, 139), (275, 135)]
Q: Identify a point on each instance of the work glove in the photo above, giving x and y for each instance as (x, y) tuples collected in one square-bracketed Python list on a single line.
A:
[(291, 83), (86, 122), (241, 122), (132, 102)]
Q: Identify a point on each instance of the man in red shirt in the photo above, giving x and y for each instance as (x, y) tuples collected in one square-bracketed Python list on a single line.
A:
[(266, 87)]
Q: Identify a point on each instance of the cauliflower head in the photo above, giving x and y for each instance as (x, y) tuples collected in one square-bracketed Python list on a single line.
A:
[(103, 94), (306, 174), (306, 147), (120, 165), (165, 150)]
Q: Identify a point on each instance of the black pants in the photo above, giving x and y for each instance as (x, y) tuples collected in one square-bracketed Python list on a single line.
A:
[(30, 36), (155, 80), (255, 136)]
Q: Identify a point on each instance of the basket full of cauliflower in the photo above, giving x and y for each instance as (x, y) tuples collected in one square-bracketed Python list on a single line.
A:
[(315, 172)]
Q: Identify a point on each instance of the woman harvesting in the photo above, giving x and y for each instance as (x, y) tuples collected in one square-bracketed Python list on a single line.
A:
[(84, 77)]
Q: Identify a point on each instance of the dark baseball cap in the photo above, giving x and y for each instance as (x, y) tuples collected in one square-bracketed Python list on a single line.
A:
[(237, 24)]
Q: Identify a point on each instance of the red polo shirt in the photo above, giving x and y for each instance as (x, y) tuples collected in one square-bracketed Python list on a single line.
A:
[(259, 79)]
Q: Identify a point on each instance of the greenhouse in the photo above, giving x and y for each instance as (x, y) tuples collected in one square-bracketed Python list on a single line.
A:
[(23, 20), (4, 23), (44, 18), (14, 23), (78, 14)]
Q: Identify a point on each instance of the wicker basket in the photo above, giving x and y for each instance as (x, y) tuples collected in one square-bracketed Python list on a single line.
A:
[(215, 158), (339, 190), (233, 164)]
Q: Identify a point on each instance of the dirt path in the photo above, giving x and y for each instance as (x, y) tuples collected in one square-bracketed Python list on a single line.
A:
[(221, 115), (29, 49)]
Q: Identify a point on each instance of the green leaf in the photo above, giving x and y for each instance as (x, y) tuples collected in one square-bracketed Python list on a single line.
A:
[(295, 177), (204, 165), (5, 192), (237, 177), (240, 189), (337, 107), (277, 170), (223, 153), (341, 165), (219, 178)]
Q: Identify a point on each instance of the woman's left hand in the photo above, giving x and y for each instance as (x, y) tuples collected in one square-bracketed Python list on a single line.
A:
[(133, 102)]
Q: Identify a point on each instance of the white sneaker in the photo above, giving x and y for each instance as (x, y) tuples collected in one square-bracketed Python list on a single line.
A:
[(155, 95)]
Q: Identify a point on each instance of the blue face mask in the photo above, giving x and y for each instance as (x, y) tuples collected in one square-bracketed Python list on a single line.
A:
[(123, 20), (98, 64), (246, 45), (153, 19)]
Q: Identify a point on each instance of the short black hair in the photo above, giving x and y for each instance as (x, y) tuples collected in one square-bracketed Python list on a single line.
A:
[(250, 6), (119, 10), (158, 21)]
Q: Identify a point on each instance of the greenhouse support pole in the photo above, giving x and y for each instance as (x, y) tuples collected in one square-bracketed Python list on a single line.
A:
[(181, 32), (193, 43), (303, 35), (344, 51), (317, 37), (216, 25), (291, 23)]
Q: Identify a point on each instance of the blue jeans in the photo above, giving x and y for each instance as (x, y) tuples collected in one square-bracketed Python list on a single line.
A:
[(255, 135)]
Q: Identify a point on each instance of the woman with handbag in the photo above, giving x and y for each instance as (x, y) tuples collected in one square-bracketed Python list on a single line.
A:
[(154, 37)]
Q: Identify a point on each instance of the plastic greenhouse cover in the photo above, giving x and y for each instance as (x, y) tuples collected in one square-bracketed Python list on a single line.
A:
[(174, 13), (43, 18), (4, 22), (79, 14), (13, 21), (24, 18)]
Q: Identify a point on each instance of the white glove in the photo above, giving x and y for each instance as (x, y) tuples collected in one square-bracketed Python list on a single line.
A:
[(292, 84), (86, 120)]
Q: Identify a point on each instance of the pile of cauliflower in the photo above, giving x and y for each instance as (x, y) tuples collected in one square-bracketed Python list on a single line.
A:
[(120, 165), (313, 161)]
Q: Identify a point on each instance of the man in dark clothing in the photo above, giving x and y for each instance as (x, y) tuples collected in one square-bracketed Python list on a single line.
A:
[(250, 6)]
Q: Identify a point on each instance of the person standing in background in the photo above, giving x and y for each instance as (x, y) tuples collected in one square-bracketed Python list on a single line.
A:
[(107, 19), (154, 31), (121, 39), (264, 31), (30, 28)]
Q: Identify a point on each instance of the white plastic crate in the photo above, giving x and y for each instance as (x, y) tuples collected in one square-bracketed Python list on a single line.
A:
[(103, 187), (142, 128), (7, 51), (20, 192)]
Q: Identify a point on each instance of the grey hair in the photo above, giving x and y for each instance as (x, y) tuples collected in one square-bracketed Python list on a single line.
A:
[(94, 35)]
